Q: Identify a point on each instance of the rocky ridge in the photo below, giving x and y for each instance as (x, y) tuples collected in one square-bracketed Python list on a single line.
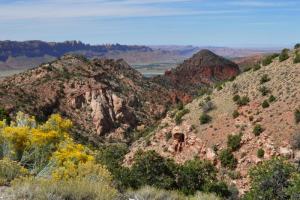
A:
[(188, 139), (104, 98), (203, 68)]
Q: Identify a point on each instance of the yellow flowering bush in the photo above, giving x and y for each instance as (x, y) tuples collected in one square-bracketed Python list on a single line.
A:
[(68, 169), (68, 158)]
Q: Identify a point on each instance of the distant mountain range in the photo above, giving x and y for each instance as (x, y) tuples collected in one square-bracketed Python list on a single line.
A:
[(28, 54)]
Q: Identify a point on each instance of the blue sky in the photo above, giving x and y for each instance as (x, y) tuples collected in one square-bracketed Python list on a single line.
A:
[(234, 23)]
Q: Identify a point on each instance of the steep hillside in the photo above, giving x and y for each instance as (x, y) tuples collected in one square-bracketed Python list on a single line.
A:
[(203, 68), (104, 98), (258, 110)]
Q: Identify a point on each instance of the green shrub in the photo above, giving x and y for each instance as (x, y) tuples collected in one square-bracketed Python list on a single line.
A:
[(297, 46), (284, 55), (180, 106), (112, 156), (260, 153), (234, 142), (195, 175), (205, 118), (265, 78), (297, 58), (235, 114), (265, 104), (243, 101), (256, 67), (204, 90), (297, 115), (258, 129), (236, 98), (269, 59), (227, 159), (264, 90), (180, 114), (272, 99), (150, 168), (271, 179), (4, 116), (9, 170)]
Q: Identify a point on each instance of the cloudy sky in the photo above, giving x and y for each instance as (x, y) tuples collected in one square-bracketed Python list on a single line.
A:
[(235, 23)]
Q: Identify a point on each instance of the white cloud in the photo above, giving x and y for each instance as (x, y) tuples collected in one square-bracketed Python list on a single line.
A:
[(49, 9), (262, 4)]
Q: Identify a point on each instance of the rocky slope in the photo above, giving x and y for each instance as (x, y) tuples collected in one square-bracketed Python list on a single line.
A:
[(203, 68), (104, 98), (189, 138)]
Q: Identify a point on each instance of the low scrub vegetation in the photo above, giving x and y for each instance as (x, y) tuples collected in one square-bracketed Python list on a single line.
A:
[(258, 129), (235, 114), (205, 118), (275, 179), (234, 142), (284, 55), (260, 153), (265, 104), (227, 159), (269, 59), (265, 78), (243, 101), (297, 58), (264, 90)]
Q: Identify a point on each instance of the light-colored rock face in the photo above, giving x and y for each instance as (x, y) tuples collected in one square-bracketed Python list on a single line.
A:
[(104, 98)]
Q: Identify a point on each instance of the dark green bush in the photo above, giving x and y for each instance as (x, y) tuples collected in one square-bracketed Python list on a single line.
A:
[(256, 67), (258, 129), (272, 180), (265, 78), (180, 106), (297, 115), (205, 118), (284, 55), (236, 98), (243, 101), (297, 58), (150, 168), (269, 59), (4, 116), (227, 159), (265, 104), (264, 90), (195, 175), (235, 114), (297, 46), (204, 90), (272, 99), (260, 153), (234, 142)]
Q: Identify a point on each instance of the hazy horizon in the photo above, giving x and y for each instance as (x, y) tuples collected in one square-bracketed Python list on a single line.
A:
[(230, 23)]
